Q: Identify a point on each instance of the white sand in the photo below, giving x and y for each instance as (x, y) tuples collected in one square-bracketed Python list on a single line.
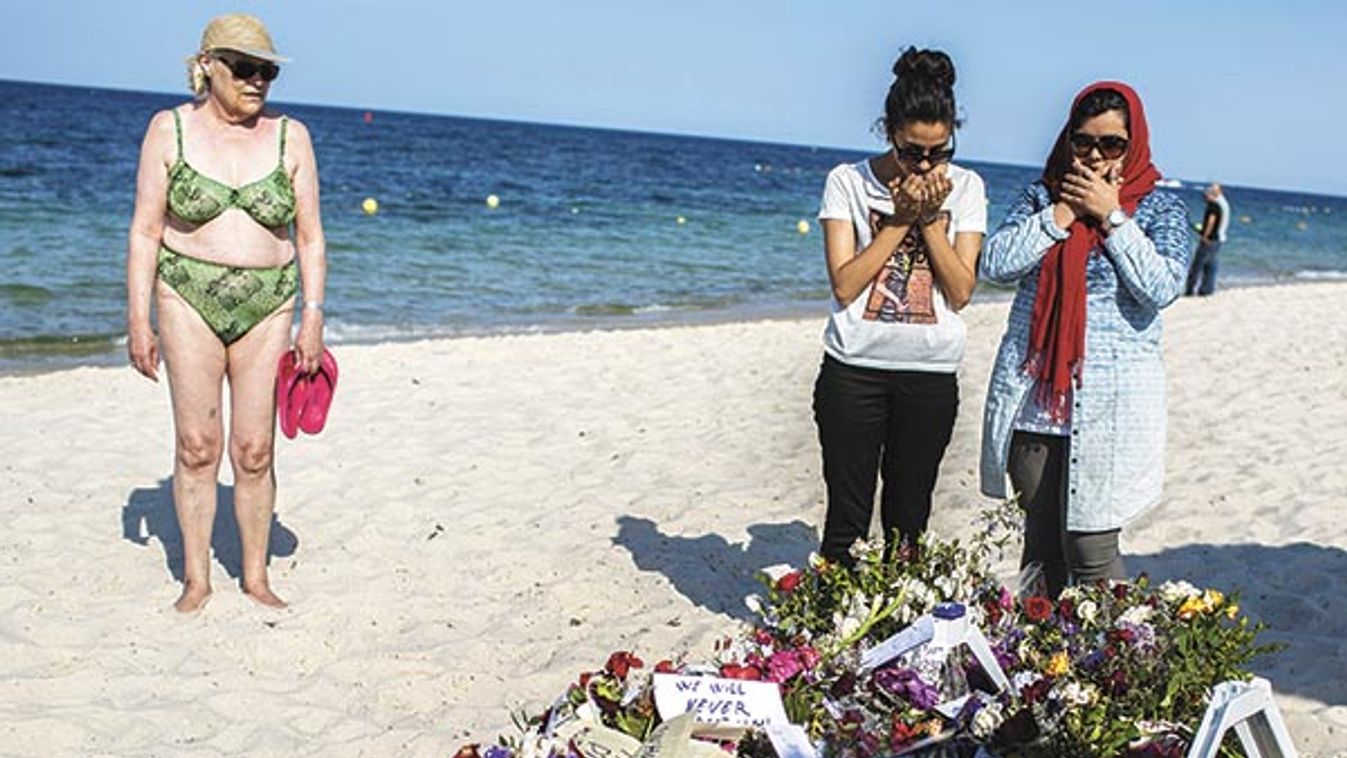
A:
[(485, 518)]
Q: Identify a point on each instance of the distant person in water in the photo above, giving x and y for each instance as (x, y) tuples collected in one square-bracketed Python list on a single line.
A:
[(1215, 222), (226, 200), (901, 231)]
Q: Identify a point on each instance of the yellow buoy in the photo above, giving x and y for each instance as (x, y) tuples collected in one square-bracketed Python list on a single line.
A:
[(682, 220), (370, 206), (802, 227), (492, 201)]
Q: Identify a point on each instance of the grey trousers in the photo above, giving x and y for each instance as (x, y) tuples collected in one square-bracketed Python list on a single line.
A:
[(1037, 469)]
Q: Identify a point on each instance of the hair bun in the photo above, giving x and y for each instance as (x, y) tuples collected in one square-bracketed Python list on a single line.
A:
[(929, 65)]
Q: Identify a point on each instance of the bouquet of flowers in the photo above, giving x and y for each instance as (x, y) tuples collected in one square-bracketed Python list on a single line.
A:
[(1120, 668), (1111, 669), (817, 623)]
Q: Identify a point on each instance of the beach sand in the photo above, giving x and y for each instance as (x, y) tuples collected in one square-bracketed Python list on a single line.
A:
[(485, 518)]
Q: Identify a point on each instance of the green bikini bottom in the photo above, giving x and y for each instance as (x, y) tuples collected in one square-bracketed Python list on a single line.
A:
[(231, 299)]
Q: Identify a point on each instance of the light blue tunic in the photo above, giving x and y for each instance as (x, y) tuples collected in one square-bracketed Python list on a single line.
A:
[(1117, 450)]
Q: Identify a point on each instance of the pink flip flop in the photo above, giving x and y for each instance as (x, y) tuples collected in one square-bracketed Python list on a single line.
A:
[(292, 390), (322, 386)]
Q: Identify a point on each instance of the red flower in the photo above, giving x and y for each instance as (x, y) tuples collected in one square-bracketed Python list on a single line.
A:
[(901, 733), (1122, 635), (809, 656), (735, 671), (1037, 607), (621, 662), (845, 685), (665, 666), (789, 582), (467, 751), (585, 677), (1066, 608), (1036, 692)]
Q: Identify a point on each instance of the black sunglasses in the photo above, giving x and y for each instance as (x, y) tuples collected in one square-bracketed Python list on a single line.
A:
[(243, 69), (915, 154), (1110, 146)]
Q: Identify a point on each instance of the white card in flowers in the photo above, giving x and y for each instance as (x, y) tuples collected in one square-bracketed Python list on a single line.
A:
[(719, 705)]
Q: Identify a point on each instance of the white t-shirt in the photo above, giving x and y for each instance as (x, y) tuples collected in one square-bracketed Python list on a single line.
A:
[(901, 321)]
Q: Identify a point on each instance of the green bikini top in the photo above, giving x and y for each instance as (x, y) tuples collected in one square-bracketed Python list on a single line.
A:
[(197, 198)]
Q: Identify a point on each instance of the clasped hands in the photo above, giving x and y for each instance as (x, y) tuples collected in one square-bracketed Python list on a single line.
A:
[(917, 198)]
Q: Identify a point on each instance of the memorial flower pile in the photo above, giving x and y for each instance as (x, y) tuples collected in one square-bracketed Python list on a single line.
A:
[(1110, 669)]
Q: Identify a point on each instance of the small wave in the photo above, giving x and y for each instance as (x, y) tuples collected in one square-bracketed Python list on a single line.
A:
[(25, 294), (607, 309), (1323, 276), (18, 172), (63, 345)]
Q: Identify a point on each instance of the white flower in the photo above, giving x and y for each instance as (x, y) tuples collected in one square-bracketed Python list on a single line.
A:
[(1137, 615), (587, 712), (541, 747), (753, 603), (1174, 592), (1076, 694), (988, 720), (1023, 679), (849, 623), (1088, 611), (947, 585), (1071, 593)]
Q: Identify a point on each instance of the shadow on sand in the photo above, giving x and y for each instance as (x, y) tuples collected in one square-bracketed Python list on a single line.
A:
[(709, 570), (1298, 590), (148, 514)]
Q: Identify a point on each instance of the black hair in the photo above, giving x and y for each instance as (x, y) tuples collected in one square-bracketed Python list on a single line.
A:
[(922, 90), (1097, 102)]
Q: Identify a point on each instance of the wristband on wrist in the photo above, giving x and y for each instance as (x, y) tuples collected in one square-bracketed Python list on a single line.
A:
[(313, 305)]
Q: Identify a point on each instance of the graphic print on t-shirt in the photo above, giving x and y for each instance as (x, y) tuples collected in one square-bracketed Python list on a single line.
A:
[(902, 291)]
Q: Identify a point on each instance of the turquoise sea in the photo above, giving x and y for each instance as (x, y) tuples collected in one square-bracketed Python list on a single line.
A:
[(594, 229)]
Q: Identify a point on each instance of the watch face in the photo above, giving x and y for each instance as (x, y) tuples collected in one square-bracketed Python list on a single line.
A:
[(1117, 217)]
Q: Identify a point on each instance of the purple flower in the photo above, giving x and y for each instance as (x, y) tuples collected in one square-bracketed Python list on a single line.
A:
[(907, 684), (1005, 652), (1094, 660), (1143, 635), (497, 751)]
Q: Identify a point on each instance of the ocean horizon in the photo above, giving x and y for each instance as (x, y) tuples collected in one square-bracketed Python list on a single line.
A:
[(596, 228)]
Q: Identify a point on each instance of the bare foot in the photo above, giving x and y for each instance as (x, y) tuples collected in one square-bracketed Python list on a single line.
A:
[(193, 598), (262, 595)]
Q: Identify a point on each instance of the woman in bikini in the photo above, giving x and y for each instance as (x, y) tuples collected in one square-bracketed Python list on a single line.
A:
[(226, 201)]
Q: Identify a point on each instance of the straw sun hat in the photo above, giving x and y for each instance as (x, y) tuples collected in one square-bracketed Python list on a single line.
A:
[(238, 32)]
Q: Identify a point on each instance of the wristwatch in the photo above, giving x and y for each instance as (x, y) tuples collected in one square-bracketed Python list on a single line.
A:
[(1116, 218)]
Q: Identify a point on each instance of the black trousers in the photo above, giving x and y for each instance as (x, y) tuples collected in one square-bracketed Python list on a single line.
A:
[(1037, 468), (892, 423)]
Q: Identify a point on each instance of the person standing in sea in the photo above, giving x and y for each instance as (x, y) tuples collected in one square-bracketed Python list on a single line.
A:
[(1075, 411), (902, 231), (226, 201)]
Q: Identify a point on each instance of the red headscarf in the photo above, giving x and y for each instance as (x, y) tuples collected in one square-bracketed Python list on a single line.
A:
[(1057, 331)]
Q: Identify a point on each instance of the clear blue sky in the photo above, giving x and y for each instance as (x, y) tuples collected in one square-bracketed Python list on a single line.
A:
[(1246, 91)]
